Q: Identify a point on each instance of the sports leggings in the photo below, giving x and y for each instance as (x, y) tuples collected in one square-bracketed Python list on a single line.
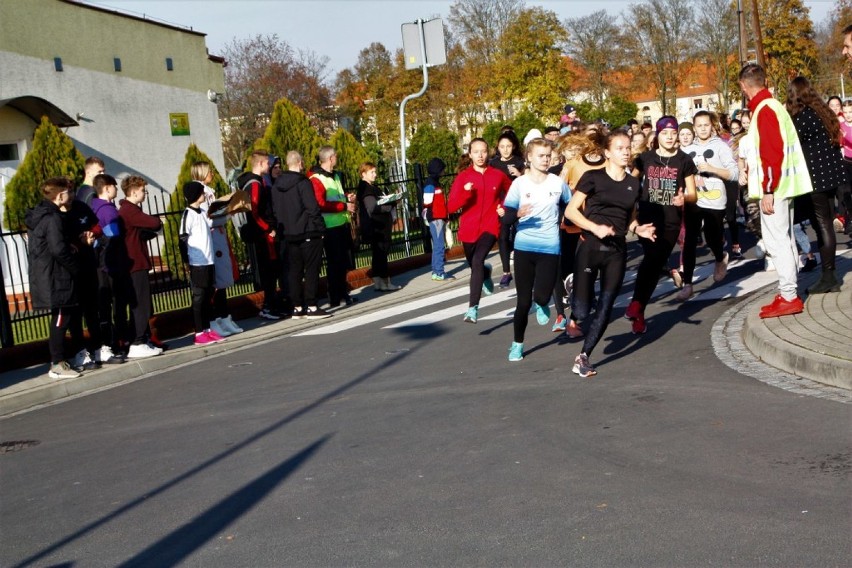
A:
[(568, 247), (475, 254), (823, 224), (535, 273), (732, 189), (654, 258), (693, 216), (504, 245), (593, 258)]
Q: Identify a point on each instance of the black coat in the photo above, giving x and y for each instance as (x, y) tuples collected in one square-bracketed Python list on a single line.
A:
[(295, 208), (54, 265), (376, 221)]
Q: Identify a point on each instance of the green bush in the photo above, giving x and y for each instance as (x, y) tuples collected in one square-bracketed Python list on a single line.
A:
[(350, 155), (428, 143), (289, 129)]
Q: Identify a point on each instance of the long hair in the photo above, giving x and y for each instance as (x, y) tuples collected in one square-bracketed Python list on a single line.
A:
[(800, 94), (513, 138)]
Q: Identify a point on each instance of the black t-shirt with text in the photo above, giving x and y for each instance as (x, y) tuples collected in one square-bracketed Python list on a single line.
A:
[(608, 201), (661, 179)]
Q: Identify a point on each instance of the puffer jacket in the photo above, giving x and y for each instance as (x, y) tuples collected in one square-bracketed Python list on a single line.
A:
[(54, 265)]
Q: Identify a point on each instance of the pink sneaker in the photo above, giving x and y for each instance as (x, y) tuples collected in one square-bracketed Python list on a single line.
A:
[(214, 336), (203, 338)]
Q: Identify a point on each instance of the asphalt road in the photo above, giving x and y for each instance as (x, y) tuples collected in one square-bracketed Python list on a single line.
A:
[(421, 445)]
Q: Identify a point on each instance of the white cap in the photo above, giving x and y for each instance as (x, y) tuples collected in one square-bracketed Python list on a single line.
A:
[(534, 133)]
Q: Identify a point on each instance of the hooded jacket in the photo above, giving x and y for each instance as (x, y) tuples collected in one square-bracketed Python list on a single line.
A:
[(295, 207), (136, 229), (54, 265)]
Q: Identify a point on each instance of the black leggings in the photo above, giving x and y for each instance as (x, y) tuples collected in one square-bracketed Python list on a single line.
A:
[(823, 223), (594, 257), (220, 303), (655, 257), (535, 273), (732, 189), (568, 247), (202, 279), (693, 216), (504, 245), (475, 254)]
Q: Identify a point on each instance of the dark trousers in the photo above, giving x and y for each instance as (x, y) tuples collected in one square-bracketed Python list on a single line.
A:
[(202, 279), (337, 243), (380, 245), (122, 290), (655, 257), (61, 321), (594, 258), (267, 272), (305, 263), (220, 303), (535, 274), (568, 250), (139, 300), (693, 217), (505, 243), (106, 308), (475, 254), (823, 223), (87, 295), (732, 190)]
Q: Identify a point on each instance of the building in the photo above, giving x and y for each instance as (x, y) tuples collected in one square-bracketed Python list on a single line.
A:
[(131, 90)]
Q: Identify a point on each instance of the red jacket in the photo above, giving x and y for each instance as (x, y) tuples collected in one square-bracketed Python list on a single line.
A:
[(479, 205), (771, 149), (137, 228)]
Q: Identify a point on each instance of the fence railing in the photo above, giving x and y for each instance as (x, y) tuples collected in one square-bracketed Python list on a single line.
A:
[(21, 323)]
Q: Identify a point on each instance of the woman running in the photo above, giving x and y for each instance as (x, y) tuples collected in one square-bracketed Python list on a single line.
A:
[(604, 207), (668, 182), (533, 202), (509, 159)]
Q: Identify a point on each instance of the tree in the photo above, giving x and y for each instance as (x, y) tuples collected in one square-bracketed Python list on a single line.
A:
[(290, 129), (659, 36), (523, 122), (350, 156), (429, 142), (53, 154), (477, 23), (530, 66), (261, 70), (716, 40), (590, 45), (829, 41)]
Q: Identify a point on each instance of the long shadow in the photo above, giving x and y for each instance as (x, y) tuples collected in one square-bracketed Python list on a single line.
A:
[(146, 496), (182, 542)]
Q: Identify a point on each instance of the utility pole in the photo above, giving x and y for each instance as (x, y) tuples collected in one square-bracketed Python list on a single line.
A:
[(758, 35)]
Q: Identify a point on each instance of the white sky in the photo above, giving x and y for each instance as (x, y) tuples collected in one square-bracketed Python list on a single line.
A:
[(338, 29)]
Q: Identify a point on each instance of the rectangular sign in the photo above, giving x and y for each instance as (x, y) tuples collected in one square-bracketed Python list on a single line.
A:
[(179, 122)]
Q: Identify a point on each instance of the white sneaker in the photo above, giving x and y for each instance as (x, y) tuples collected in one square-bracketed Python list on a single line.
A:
[(105, 355), (216, 325), (83, 360), (62, 370), (143, 350), (228, 323)]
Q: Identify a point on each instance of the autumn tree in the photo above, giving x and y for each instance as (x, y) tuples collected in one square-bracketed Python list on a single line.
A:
[(522, 123), (261, 70), (53, 154), (290, 129), (479, 23), (659, 40), (431, 142), (530, 66), (716, 42), (829, 40), (590, 46)]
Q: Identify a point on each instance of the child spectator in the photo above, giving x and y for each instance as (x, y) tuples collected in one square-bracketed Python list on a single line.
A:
[(196, 224), (435, 213)]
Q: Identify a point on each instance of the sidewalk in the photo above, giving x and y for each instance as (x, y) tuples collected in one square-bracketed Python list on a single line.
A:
[(816, 344)]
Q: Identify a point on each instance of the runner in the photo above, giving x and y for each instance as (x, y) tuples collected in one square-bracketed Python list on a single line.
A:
[(533, 202), (477, 191), (668, 181), (607, 199)]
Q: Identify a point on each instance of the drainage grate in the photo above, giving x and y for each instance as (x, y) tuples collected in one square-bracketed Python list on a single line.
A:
[(17, 446)]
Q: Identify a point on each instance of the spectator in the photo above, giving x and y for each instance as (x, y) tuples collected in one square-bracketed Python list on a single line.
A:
[(435, 213), (376, 226), (86, 192)]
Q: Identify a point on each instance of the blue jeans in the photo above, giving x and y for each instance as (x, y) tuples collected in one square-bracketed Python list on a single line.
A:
[(436, 228)]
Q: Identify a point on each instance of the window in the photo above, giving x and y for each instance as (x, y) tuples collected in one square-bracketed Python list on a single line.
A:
[(169, 65), (697, 103), (8, 152), (57, 63), (116, 62)]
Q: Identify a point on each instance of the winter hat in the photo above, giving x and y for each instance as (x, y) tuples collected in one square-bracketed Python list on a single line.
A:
[(686, 126), (666, 122), (274, 160), (192, 191), (531, 135), (435, 167), (569, 109), (550, 129)]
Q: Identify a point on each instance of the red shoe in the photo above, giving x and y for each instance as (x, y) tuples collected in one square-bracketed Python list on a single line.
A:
[(633, 311), (781, 307), (639, 326), (573, 330)]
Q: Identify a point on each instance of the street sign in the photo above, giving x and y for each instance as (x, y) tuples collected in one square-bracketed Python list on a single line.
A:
[(433, 36)]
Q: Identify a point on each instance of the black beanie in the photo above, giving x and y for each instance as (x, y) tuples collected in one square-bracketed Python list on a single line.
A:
[(435, 167), (192, 191)]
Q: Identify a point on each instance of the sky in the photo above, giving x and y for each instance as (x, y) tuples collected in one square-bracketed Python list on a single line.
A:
[(337, 29)]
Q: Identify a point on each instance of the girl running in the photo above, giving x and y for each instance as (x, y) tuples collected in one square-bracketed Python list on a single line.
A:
[(508, 159)]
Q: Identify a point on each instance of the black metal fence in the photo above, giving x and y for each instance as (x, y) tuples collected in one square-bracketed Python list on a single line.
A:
[(20, 323)]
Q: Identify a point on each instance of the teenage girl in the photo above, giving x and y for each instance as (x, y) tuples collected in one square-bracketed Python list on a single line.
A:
[(508, 159)]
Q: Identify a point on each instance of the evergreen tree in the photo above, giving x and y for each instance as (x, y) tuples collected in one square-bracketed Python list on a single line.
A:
[(53, 154), (350, 156), (289, 129), (428, 143)]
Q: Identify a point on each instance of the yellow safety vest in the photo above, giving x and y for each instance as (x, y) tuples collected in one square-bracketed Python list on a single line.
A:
[(333, 192), (795, 177)]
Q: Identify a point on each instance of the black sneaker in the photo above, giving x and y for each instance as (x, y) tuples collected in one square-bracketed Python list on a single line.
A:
[(349, 300), (313, 313), (809, 265)]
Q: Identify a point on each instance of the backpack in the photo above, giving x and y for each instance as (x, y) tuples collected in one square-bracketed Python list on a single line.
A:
[(183, 239)]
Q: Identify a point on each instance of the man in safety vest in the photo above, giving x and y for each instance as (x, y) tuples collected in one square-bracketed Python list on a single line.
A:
[(337, 209), (781, 175)]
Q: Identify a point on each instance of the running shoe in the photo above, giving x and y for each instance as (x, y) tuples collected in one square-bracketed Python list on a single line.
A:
[(268, 314), (203, 338), (639, 326), (438, 277), (505, 280), (228, 322), (685, 293), (516, 351), (569, 285), (313, 313), (582, 366), (471, 314), (143, 350), (574, 331), (216, 325), (781, 307), (677, 278), (105, 355), (214, 335), (62, 370), (83, 361), (488, 283), (721, 269), (633, 311), (560, 324), (737, 253), (542, 314)]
